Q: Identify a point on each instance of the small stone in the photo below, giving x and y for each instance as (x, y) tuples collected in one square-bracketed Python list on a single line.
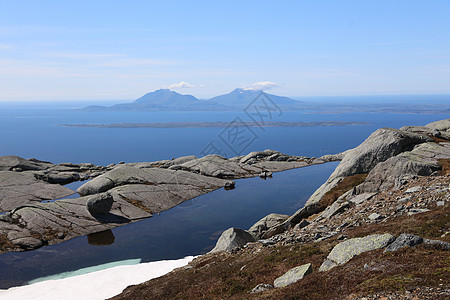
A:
[(440, 203), (404, 199), (375, 216), (342, 237), (413, 189), (303, 223), (229, 185), (261, 288)]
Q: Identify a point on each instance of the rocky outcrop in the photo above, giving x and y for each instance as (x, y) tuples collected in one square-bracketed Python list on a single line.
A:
[(387, 155), (422, 161), (348, 249), (232, 238), (292, 276), (218, 166), (20, 188), (269, 221), (378, 147), (16, 163)]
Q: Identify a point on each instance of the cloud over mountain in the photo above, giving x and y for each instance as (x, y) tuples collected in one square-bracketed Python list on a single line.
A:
[(261, 86)]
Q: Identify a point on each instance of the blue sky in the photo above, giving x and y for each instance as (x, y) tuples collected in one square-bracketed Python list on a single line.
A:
[(68, 50)]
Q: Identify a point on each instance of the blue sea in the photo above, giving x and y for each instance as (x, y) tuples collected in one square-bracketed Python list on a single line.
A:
[(193, 227)]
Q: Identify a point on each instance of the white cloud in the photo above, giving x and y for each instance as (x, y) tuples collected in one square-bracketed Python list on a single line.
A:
[(84, 55), (5, 47), (262, 86), (183, 85)]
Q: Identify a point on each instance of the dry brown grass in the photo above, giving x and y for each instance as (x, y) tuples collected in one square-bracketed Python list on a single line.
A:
[(343, 186), (445, 165), (5, 244), (138, 204), (232, 276)]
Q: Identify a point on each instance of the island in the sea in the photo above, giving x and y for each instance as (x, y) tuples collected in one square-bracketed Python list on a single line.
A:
[(218, 124)]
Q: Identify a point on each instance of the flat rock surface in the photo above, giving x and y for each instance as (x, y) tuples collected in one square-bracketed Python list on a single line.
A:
[(20, 188), (346, 250)]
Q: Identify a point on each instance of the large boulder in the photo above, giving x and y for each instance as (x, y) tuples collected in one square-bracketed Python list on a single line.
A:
[(269, 221), (348, 249), (99, 203), (292, 276), (233, 238)]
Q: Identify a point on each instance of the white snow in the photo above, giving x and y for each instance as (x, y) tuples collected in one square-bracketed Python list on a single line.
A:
[(95, 285)]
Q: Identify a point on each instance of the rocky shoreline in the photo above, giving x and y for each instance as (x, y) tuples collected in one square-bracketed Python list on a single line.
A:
[(378, 227), (38, 211)]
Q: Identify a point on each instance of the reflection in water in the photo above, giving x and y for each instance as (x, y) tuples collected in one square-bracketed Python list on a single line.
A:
[(102, 238)]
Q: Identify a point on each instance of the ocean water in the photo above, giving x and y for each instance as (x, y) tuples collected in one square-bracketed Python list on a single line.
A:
[(34, 133), (193, 227)]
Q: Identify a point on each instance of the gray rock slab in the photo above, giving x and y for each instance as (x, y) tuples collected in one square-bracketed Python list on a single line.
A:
[(441, 125), (350, 248), (374, 216), (358, 199), (378, 147), (218, 166), (126, 175), (292, 276), (404, 240), (278, 166), (437, 243), (271, 220), (422, 161), (179, 161), (233, 238), (161, 197), (413, 189), (8, 163), (21, 188)]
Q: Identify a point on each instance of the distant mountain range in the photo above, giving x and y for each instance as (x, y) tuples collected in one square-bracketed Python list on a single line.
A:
[(240, 99), (165, 99)]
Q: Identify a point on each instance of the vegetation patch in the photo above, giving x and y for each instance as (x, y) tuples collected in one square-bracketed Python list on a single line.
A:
[(343, 186), (5, 243), (445, 165), (138, 203)]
